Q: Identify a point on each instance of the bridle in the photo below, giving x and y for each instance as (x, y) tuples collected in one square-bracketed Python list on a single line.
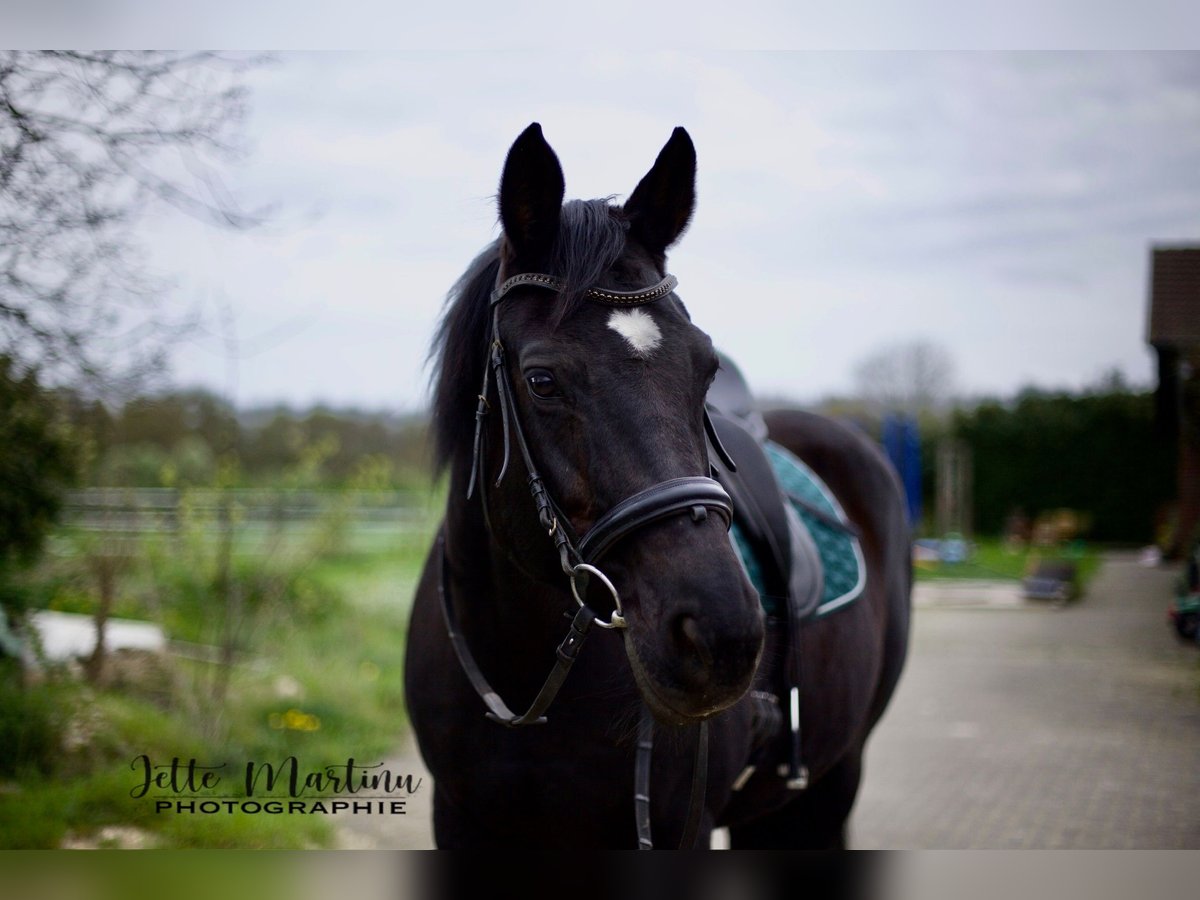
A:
[(693, 495)]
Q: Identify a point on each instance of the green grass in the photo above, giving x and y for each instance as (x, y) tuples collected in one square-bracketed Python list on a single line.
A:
[(377, 579), (42, 816), (993, 560), (319, 676), (91, 784)]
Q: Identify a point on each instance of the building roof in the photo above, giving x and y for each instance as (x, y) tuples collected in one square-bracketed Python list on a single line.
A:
[(1175, 296)]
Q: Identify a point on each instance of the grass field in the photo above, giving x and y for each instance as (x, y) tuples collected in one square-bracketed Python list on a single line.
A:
[(318, 628)]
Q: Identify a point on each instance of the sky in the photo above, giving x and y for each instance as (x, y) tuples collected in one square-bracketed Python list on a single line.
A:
[(1001, 205)]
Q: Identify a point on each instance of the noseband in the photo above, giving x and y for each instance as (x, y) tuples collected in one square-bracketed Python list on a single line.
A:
[(695, 495)]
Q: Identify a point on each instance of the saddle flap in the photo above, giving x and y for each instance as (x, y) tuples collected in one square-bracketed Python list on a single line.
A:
[(780, 545)]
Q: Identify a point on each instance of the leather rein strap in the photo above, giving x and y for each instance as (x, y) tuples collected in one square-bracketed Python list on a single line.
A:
[(641, 784), (695, 495), (498, 710)]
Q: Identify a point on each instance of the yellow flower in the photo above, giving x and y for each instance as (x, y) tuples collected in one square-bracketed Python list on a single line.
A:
[(294, 720)]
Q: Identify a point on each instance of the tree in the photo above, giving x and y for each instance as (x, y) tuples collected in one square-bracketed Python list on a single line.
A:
[(38, 461), (1097, 453), (916, 377), (86, 140)]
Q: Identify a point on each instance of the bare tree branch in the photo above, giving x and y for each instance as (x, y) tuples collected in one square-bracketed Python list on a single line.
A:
[(915, 377), (87, 141)]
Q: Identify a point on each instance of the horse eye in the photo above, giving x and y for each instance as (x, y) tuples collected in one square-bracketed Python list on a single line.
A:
[(541, 383)]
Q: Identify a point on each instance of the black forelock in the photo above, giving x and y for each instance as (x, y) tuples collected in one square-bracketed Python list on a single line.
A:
[(591, 238)]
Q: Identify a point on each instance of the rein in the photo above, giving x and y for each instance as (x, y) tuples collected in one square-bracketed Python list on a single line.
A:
[(578, 557)]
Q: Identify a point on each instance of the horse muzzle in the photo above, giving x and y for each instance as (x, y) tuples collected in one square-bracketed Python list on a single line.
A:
[(695, 664)]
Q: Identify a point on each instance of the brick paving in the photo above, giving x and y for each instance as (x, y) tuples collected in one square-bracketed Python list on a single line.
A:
[(1016, 725), (1042, 727), (411, 831)]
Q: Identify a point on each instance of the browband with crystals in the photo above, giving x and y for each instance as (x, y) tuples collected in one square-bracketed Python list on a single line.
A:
[(601, 295)]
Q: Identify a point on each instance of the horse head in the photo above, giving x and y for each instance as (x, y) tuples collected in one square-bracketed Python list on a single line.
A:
[(607, 402)]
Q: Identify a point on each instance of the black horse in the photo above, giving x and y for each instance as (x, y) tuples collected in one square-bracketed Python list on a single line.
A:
[(594, 381)]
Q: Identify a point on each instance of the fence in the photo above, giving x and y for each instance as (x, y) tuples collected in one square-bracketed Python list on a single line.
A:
[(136, 510)]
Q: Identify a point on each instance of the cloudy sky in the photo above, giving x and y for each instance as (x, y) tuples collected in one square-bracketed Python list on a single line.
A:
[(1000, 205)]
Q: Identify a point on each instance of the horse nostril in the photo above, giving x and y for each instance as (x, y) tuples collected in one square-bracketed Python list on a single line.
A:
[(696, 656)]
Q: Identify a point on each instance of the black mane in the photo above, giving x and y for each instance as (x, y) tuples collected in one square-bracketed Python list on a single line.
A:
[(591, 237)]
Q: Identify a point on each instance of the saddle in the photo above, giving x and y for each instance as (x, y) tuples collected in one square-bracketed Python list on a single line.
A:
[(792, 536), (769, 534)]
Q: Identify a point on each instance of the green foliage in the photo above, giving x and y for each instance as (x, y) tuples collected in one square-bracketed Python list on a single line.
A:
[(1097, 453), (191, 611), (189, 462), (355, 447), (38, 461), (183, 438), (31, 725), (318, 674), (87, 787)]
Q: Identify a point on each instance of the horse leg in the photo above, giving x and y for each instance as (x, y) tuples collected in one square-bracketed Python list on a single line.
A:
[(814, 820)]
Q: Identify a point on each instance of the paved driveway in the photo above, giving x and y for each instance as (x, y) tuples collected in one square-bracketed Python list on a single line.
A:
[(1035, 726), (1015, 725)]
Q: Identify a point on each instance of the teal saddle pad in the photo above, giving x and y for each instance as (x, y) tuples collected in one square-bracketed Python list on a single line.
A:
[(845, 572)]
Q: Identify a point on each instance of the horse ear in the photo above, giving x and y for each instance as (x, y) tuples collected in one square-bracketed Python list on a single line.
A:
[(660, 207), (531, 196)]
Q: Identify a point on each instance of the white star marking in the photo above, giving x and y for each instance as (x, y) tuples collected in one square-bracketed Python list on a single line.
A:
[(639, 330)]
